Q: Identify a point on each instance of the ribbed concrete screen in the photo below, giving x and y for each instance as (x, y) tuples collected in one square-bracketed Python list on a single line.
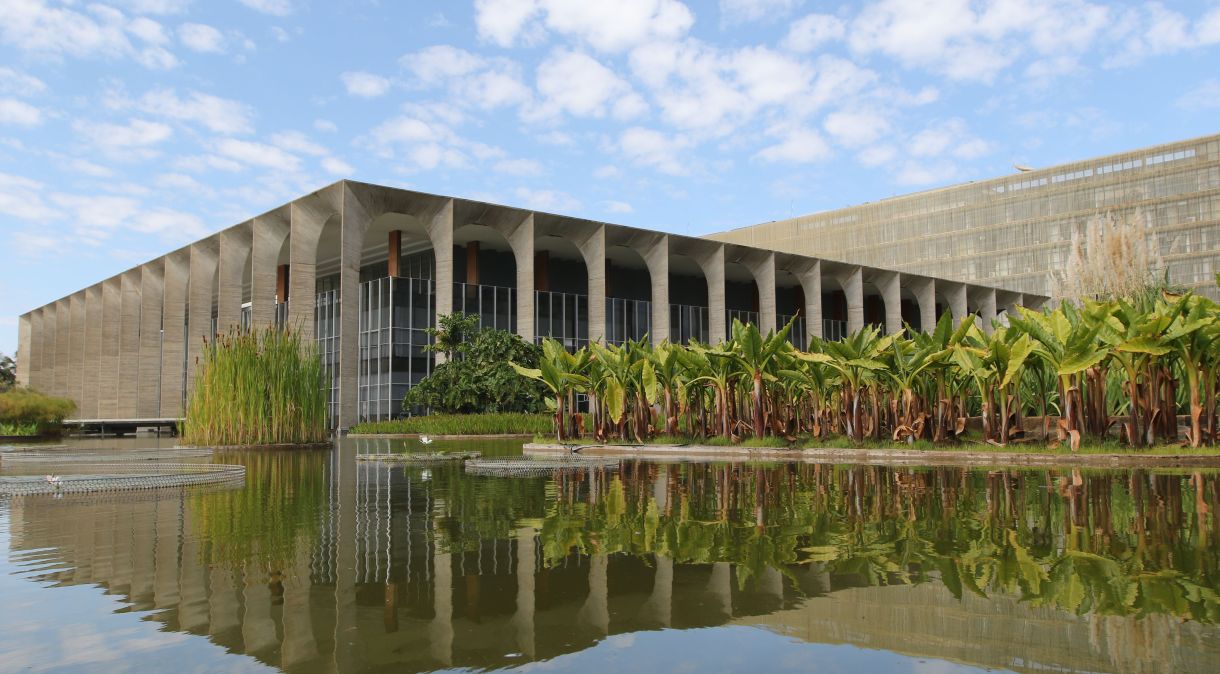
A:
[(63, 346), (270, 232), (176, 280), (93, 352), (47, 349), (235, 244), (76, 349), (129, 381), (34, 357), (152, 291), (202, 288), (24, 337), (108, 365)]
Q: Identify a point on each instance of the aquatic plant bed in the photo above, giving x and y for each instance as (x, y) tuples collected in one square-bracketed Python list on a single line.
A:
[(419, 457), (281, 445), (104, 478), (911, 457), (534, 466), (100, 455), (410, 436), (494, 423)]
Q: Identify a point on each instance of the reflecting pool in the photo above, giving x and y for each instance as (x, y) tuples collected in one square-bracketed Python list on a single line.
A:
[(324, 563)]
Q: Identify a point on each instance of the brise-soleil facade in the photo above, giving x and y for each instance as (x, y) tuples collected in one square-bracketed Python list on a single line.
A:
[(127, 348), (1016, 232)]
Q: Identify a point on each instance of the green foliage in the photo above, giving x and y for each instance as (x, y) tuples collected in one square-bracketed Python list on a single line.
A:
[(262, 388), (478, 377), (491, 423), (24, 411), (8, 372)]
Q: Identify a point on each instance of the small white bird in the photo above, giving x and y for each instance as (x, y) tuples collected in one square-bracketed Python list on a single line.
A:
[(52, 480), (425, 439)]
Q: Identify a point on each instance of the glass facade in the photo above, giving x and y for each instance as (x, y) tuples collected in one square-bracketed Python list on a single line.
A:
[(1015, 232), (798, 334), (326, 332), (687, 322), (395, 314), (496, 306), (563, 317), (627, 319)]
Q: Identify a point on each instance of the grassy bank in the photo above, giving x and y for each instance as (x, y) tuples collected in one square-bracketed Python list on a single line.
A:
[(24, 412), (492, 423)]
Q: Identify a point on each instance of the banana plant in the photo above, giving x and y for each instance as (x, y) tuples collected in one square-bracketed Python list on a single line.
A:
[(563, 374)]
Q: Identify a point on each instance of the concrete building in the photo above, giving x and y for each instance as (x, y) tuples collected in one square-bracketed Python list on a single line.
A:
[(1015, 232), (126, 348)]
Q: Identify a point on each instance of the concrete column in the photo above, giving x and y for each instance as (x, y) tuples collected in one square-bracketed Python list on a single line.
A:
[(25, 333), (47, 348), (37, 335), (712, 264), (925, 296), (131, 307), (93, 352), (891, 293), (76, 359), (523, 617), (595, 612), (811, 284), (63, 346), (521, 240), (656, 256), (853, 289), (306, 222), (202, 287), (152, 289), (235, 245), (763, 271), (440, 232), (987, 309), (354, 222), (593, 250), (176, 280), (108, 363), (268, 235), (956, 294)]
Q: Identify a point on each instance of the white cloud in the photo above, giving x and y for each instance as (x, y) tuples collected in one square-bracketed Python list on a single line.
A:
[(441, 62), (272, 7), (576, 83), (853, 128), (606, 26), (1205, 96), (19, 113), (937, 172), (336, 166), (34, 26), (424, 141), (365, 85), (21, 198), (325, 125), (552, 201), (86, 167), (810, 32), (736, 11), (148, 30), (518, 167), (19, 83), (295, 141), (613, 206), (201, 38), (257, 154), (136, 139), (217, 114), (280, 34), (768, 77), (648, 147), (607, 171), (877, 155), (799, 145), (947, 137)]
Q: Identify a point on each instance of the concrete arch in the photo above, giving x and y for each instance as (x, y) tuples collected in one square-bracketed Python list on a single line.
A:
[(204, 270), (561, 281), (152, 302), (688, 298), (270, 252), (742, 297), (628, 285), (234, 274), (176, 290), (485, 276)]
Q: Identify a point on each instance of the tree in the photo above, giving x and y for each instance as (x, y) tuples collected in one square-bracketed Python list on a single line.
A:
[(478, 378), (8, 372)]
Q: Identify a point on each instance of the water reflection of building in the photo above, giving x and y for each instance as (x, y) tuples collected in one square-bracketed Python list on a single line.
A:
[(398, 575)]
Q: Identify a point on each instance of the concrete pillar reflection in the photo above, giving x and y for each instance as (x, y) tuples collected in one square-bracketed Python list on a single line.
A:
[(108, 364), (224, 606), (523, 617), (299, 644), (176, 280), (853, 289), (440, 630), (720, 585), (659, 606), (347, 638), (891, 294), (192, 585), (152, 290), (257, 626), (771, 581), (131, 307), (167, 532), (595, 612), (234, 261), (656, 256)]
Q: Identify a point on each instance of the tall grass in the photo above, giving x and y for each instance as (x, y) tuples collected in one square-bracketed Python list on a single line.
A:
[(491, 423), (257, 388), (27, 412)]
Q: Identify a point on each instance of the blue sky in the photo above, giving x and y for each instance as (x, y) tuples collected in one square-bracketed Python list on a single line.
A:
[(130, 127)]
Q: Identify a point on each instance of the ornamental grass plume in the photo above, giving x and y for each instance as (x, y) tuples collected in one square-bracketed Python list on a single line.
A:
[(257, 388)]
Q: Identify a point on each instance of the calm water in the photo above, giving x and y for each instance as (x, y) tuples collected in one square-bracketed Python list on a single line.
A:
[(323, 564)]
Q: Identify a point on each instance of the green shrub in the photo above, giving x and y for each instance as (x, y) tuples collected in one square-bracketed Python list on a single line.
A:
[(28, 412), (495, 423), (478, 378), (257, 389)]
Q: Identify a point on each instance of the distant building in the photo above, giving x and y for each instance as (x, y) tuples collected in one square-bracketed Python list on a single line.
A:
[(1015, 232), (367, 269)]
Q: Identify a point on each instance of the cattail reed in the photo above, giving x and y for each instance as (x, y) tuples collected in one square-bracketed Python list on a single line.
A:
[(257, 388)]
